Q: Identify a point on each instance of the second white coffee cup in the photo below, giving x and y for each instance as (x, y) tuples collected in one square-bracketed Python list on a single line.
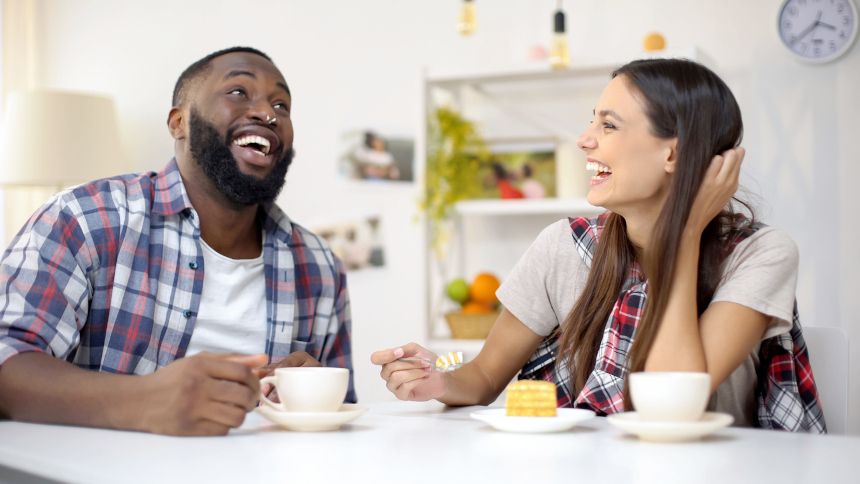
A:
[(670, 396), (308, 389)]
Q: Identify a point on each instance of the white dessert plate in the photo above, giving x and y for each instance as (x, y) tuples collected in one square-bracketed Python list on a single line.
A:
[(313, 421), (670, 431), (565, 419)]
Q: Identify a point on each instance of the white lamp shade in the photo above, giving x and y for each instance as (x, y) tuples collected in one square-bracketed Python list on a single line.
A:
[(58, 139)]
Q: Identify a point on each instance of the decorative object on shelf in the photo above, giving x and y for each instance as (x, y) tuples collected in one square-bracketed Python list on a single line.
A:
[(571, 175), (471, 326), (537, 52), (455, 150), (467, 22), (654, 42), (479, 306), (518, 170), (559, 57), (818, 32)]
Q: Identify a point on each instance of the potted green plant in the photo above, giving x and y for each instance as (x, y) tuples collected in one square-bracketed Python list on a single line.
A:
[(455, 150)]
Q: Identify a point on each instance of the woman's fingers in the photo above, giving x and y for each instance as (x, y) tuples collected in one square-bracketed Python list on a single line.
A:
[(715, 167), (417, 351), (405, 392), (403, 377), (731, 164), (410, 350), (390, 368), (386, 356)]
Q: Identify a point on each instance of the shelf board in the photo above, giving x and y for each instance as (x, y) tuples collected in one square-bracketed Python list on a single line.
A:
[(526, 73), (562, 206), (541, 71)]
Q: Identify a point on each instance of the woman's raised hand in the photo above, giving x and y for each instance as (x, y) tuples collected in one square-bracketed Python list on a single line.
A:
[(414, 380), (718, 187)]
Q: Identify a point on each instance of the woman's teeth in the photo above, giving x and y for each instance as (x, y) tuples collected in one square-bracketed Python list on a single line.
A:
[(602, 170)]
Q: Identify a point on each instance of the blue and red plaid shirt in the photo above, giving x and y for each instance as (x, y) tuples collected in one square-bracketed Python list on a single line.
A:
[(786, 394), (108, 276)]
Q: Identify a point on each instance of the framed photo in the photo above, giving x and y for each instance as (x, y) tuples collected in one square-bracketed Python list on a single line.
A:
[(519, 170), (377, 155), (357, 242)]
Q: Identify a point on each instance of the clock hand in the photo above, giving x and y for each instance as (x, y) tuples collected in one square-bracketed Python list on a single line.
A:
[(803, 34), (828, 26), (808, 29)]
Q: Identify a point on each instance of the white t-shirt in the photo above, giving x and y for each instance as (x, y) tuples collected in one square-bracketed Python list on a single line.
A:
[(761, 273), (232, 315)]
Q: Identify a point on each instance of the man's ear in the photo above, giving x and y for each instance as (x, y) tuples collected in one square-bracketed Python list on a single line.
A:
[(177, 124), (671, 160)]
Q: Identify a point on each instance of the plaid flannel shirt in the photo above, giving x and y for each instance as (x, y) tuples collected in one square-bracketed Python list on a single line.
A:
[(786, 394), (108, 276)]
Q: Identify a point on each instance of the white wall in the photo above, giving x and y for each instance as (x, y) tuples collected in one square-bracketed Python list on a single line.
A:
[(353, 63)]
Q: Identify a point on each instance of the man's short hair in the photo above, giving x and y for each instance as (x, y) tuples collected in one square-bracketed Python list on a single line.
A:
[(201, 67)]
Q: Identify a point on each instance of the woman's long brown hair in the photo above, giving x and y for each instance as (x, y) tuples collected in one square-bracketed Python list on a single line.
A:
[(686, 100)]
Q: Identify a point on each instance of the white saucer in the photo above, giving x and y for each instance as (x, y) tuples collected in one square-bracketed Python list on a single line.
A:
[(564, 420), (313, 421), (670, 431)]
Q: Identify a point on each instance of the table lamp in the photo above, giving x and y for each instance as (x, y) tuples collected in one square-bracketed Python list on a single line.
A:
[(57, 139), (52, 140)]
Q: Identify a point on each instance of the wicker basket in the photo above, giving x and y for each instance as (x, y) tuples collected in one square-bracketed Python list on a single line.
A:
[(471, 326)]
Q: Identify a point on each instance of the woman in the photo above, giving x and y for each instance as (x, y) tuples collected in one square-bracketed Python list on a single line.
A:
[(719, 287)]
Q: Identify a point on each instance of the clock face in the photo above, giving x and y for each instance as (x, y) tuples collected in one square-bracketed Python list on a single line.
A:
[(818, 30)]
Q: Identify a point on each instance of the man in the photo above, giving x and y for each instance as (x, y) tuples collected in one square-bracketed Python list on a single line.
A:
[(191, 277)]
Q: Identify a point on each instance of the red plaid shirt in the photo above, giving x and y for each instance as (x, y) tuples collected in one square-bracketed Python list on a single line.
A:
[(786, 393)]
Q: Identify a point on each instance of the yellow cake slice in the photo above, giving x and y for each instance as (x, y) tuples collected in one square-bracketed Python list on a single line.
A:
[(531, 398)]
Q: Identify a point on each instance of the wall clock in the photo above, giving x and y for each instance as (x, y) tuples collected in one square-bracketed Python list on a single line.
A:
[(818, 30)]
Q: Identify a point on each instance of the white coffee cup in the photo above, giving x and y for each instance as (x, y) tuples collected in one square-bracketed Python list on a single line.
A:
[(308, 389), (670, 396)]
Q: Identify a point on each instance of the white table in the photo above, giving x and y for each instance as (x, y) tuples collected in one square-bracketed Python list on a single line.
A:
[(417, 443)]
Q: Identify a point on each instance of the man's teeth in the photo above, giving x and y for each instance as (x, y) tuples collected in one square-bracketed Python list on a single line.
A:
[(259, 140), (600, 169)]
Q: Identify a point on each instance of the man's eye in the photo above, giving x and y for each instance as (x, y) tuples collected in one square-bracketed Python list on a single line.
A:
[(608, 125), (282, 106), (240, 92)]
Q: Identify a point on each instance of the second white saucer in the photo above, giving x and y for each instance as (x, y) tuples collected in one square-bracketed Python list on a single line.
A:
[(670, 431), (313, 421)]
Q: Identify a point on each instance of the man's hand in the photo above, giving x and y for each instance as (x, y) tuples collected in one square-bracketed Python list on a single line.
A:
[(298, 358), (205, 394)]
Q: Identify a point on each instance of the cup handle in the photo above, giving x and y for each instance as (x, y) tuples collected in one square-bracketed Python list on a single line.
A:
[(271, 380)]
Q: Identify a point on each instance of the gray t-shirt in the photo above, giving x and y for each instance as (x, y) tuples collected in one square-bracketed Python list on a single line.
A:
[(761, 273)]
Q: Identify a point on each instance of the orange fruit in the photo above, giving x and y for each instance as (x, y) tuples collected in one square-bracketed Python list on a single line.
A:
[(476, 308), (484, 288)]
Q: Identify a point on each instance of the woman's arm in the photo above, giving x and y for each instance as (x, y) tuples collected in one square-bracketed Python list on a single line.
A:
[(478, 382), (717, 342), (726, 332)]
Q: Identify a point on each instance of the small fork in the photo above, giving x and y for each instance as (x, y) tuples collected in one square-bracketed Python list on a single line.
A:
[(449, 362)]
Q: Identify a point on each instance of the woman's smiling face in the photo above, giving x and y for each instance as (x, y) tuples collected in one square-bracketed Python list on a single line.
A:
[(634, 167)]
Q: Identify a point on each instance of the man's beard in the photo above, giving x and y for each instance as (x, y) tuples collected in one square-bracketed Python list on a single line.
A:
[(220, 166)]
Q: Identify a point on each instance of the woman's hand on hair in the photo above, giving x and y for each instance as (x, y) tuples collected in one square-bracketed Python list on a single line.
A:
[(718, 188)]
